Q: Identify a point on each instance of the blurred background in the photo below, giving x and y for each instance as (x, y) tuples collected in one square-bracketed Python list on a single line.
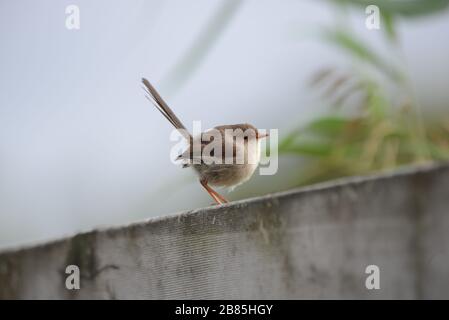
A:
[(80, 146)]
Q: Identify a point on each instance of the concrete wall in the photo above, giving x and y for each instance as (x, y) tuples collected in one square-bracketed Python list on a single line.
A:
[(306, 243)]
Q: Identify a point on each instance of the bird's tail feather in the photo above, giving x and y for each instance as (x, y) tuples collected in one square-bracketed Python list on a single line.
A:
[(162, 106)]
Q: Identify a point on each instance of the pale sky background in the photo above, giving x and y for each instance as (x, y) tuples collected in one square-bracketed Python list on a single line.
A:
[(81, 147)]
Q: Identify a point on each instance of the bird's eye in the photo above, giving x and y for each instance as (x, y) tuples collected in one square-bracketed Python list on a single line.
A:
[(245, 137)]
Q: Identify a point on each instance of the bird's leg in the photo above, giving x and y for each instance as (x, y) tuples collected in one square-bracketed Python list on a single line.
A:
[(210, 191), (219, 196), (219, 199)]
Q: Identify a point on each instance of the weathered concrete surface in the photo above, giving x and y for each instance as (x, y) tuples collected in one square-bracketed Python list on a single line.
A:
[(307, 243)]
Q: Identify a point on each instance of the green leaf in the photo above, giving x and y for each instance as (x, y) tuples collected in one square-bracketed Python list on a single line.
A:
[(356, 47), (377, 103), (288, 140), (388, 26), (328, 125), (201, 46), (309, 149), (407, 8)]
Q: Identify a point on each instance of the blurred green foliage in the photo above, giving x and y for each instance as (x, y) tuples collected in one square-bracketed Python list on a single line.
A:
[(384, 130), (404, 8)]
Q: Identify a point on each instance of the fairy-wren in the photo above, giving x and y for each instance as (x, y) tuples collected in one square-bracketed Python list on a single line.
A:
[(232, 159)]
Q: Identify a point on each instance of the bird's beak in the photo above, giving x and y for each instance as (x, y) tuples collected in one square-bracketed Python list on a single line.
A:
[(262, 135)]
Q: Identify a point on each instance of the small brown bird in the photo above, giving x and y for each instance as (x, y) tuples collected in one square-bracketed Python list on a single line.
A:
[(215, 167)]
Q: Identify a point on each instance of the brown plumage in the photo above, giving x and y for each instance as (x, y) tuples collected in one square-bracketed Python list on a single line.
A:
[(215, 169)]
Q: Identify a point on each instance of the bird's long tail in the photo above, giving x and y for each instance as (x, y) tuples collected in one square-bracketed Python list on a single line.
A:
[(162, 106)]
